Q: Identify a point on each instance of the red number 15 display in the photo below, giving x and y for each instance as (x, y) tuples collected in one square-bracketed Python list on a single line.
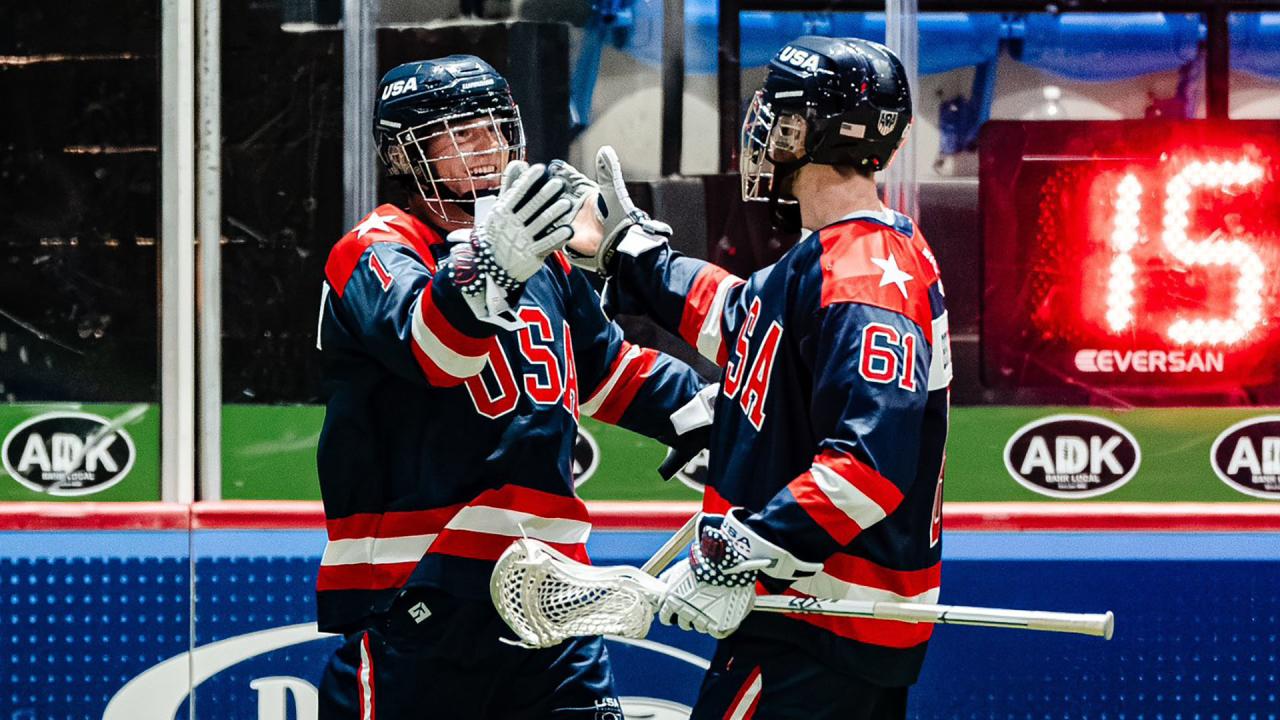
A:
[(1132, 262)]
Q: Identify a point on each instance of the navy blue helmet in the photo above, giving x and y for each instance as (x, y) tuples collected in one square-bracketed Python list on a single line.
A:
[(451, 125), (832, 101)]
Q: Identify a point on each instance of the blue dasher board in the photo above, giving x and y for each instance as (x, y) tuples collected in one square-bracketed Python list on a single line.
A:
[(102, 624)]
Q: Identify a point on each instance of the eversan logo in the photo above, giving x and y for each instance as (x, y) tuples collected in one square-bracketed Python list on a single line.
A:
[(399, 87), (1149, 361), (586, 457), (1072, 456), (796, 57), (69, 453), (1246, 456)]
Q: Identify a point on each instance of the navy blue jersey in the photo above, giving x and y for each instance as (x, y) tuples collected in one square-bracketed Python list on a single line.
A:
[(832, 418), (445, 437)]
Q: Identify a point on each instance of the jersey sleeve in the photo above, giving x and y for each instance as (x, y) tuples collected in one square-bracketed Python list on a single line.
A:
[(701, 302), (871, 385), (624, 384), (414, 321)]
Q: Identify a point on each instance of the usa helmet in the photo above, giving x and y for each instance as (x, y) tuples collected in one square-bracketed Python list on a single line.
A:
[(832, 101), (451, 125)]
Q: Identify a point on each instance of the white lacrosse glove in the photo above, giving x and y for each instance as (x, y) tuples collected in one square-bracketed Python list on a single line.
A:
[(626, 227), (714, 588), (692, 423), (529, 221), (580, 186)]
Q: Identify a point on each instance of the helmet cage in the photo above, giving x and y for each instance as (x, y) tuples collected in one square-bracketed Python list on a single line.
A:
[(773, 146), (407, 154)]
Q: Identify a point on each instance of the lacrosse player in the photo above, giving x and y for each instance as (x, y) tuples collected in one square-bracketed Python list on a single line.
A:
[(825, 475), (456, 363)]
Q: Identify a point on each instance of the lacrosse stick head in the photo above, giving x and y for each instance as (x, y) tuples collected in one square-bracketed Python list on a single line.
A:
[(546, 597)]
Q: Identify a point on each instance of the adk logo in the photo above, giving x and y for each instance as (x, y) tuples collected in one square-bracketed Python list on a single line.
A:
[(1072, 456), (586, 457), (1246, 456), (70, 453)]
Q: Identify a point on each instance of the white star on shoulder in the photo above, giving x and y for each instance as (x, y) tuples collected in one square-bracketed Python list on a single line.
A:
[(373, 222), (893, 275)]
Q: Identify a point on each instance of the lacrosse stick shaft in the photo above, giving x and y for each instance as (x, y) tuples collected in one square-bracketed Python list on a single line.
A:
[(671, 548), (1093, 624)]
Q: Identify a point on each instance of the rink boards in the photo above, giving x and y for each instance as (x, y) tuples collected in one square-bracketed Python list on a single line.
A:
[(96, 612)]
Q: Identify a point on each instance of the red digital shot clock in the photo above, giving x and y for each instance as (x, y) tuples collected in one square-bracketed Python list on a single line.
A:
[(1134, 261)]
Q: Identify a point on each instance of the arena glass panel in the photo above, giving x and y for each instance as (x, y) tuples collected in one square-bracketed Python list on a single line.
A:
[(282, 202), (79, 217), (1255, 65)]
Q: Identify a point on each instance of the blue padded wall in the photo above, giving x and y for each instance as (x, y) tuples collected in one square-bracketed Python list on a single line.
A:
[(1197, 623)]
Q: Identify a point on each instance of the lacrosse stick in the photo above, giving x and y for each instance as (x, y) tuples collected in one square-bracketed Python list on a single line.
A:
[(672, 548), (546, 598), (1094, 624)]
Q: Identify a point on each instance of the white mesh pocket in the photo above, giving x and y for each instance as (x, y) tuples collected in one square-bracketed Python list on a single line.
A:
[(546, 597)]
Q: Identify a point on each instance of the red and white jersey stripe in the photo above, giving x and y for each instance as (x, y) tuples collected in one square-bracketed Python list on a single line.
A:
[(447, 356), (632, 366), (364, 677), (844, 496), (849, 577), (744, 703), (374, 551), (700, 324)]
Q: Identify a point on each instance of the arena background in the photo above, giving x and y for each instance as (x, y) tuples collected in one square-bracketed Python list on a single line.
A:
[(172, 175)]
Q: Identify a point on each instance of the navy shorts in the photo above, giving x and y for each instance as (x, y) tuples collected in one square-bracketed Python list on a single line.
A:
[(452, 665), (759, 679)]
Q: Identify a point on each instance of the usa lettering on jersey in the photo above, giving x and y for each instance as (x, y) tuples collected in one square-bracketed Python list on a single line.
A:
[(548, 380), (756, 389)]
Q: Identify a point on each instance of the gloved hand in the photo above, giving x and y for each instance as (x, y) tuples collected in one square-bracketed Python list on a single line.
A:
[(692, 423), (580, 185), (529, 221), (621, 220), (713, 589)]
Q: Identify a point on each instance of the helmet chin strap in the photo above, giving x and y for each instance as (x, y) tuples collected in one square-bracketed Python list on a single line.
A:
[(781, 173), (447, 197)]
